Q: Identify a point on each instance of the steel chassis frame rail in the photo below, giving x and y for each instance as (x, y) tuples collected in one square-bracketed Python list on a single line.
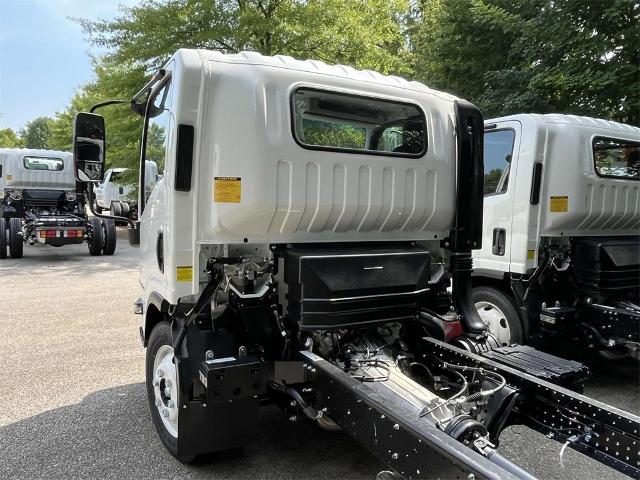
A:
[(412, 446), (603, 432)]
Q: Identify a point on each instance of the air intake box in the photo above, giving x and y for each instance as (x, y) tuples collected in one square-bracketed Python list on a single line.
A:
[(341, 286)]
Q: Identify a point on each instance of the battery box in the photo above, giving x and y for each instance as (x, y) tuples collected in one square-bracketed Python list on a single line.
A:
[(233, 378)]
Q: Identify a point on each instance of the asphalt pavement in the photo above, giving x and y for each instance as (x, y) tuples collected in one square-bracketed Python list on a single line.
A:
[(73, 405)]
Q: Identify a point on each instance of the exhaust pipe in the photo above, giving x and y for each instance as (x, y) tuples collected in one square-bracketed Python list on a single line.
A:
[(467, 227)]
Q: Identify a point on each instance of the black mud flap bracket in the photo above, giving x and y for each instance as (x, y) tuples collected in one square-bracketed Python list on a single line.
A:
[(606, 434), (412, 446)]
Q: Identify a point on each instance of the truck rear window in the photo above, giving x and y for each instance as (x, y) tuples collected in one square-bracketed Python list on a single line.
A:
[(616, 158), (43, 163), (325, 120)]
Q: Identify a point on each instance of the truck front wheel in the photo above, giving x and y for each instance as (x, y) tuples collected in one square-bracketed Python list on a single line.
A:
[(15, 238), (3, 238), (499, 314), (163, 388)]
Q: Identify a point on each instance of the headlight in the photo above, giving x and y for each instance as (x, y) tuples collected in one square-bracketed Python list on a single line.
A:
[(15, 194), (70, 196)]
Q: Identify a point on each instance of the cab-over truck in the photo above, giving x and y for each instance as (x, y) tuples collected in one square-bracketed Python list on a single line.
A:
[(560, 257), (298, 251)]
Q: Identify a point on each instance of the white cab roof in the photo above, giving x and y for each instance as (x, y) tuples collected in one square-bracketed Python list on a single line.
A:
[(577, 120)]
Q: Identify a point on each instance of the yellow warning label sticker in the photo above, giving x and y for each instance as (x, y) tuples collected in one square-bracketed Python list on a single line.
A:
[(184, 273), (9, 177), (559, 204), (227, 189), (531, 254)]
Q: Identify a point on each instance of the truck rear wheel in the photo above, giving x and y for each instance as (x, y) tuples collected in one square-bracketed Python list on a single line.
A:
[(109, 236), (95, 238), (116, 209), (499, 314), (162, 388), (15, 238), (125, 209), (3, 238)]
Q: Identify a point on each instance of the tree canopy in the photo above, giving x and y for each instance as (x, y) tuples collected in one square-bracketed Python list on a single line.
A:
[(507, 56), (36, 133), (514, 56)]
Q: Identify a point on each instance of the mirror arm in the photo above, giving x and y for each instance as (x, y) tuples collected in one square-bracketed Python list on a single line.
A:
[(153, 80), (107, 103), (99, 215)]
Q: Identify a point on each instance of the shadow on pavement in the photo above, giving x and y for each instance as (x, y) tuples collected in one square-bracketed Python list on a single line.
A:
[(110, 434)]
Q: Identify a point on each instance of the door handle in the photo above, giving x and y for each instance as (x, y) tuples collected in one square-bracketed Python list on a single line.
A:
[(499, 241), (160, 251)]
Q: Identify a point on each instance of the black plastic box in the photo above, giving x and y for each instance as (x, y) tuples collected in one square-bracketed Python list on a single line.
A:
[(341, 286)]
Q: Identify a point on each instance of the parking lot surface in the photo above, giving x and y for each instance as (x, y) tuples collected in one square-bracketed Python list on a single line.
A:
[(73, 405)]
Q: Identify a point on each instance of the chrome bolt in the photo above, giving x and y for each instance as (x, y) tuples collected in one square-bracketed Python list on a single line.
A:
[(325, 409), (293, 418), (167, 382), (208, 355), (158, 402), (160, 373), (394, 456), (396, 427), (293, 403), (167, 392), (170, 404), (313, 370), (156, 382), (165, 413)]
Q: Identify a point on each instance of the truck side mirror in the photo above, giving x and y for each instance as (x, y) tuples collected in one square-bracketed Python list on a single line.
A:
[(88, 147)]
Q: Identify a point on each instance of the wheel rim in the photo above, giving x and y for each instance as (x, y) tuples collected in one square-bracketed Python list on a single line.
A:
[(495, 320), (165, 388)]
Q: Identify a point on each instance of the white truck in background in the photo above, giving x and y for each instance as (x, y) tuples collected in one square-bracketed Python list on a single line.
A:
[(118, 196), (560, 252), (40, 204)]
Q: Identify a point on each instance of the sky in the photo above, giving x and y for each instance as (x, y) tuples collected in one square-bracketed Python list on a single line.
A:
[(44, 56)]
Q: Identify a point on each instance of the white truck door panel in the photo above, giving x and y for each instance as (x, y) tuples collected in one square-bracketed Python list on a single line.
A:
[(501, 149)]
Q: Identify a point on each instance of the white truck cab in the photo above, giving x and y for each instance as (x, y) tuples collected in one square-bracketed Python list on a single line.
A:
[(561, 251), (117, 195), (298, 251)]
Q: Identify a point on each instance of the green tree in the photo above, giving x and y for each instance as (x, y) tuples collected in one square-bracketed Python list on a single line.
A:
[(9, 139), (36, 133), (360, 33), (512, 56)]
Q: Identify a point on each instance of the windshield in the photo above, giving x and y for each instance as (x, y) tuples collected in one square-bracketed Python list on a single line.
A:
[(43, 163)]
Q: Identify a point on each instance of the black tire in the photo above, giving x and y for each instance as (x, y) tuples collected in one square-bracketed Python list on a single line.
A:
[(510, 316), (116, 209), (95, 240), (16, 244), (109, 236), (125, 209), (3, 238), (160, 336)]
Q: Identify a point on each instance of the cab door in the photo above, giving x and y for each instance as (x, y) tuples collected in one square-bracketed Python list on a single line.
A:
[(501, 149)]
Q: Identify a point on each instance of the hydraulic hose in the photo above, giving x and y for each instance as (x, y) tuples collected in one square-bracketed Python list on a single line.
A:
[(308, 410)]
